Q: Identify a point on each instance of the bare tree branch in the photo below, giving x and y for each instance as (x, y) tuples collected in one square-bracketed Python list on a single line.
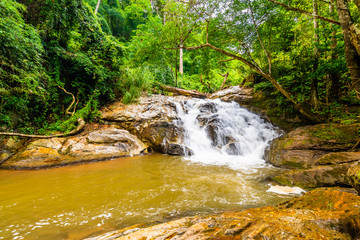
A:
[(305, 12), (258, 35), (72, 103), (76, 130), (225, 78), (227, 60), (326, 1)]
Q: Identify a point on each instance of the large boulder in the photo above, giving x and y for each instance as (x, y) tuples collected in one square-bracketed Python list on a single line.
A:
[(353, 176), (318, 154), (238, 94), (103, 142), (319, 214), (9, 146), (317, 176), (152, 119)]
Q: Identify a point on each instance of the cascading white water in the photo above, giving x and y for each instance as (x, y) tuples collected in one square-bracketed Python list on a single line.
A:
[(222, 133)]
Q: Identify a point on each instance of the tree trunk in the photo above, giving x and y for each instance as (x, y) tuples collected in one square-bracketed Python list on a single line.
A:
[(97, 6), (176, 68), (355, 37), (181, 60), (333, 93), (314, 97), (351, 55)]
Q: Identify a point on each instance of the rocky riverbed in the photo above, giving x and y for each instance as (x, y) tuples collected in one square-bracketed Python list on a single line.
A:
[(328, 213), (126, 130), (324, 155)]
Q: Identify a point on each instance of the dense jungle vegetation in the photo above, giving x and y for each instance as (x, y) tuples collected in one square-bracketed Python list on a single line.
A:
[(61, 60)]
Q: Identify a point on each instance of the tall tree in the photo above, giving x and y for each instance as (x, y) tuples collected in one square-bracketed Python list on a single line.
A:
[(351, 36), (314, 97), (97, 6), (333, 92), (349, 33)]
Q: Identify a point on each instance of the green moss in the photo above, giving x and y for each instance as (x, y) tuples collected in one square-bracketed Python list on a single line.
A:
[(332, 158), (294, 164), (283, 180), (288, 143), (337, 133)]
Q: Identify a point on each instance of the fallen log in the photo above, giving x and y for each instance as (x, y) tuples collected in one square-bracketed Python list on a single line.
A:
[(179, 91), (76, 130)]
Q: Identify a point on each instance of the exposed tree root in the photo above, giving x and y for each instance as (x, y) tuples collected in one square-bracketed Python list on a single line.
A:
[(76, 130)]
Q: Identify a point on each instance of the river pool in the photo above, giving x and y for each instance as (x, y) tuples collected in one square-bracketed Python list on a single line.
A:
[(75, 202)]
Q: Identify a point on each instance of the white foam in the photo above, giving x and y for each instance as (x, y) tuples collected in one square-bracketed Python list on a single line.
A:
[(285, 190), (249, 134)]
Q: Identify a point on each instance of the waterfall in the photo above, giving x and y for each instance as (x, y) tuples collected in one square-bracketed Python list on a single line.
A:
[(223, 133)]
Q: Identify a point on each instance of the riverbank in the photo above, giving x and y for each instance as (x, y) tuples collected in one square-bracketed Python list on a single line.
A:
[(125, 130), (328, 213)]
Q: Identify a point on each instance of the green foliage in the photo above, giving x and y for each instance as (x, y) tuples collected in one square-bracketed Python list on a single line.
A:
[(48, 46), (263, 86), (134, 82), (89, 113), (22, 76), (131, 46)]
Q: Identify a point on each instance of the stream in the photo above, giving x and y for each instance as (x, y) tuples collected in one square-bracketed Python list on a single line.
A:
[(225, 171)]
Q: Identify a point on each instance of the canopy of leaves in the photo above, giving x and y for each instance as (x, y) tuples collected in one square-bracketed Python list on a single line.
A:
[(130, 46)]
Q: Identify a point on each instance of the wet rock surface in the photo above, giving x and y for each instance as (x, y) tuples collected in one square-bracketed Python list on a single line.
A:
[(318, 154), (102, 142), (326, 213), (9, 146), (353, 176), (151, 120), (238, 94), (177, 149)]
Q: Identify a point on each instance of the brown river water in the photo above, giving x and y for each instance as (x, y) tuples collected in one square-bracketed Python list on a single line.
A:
[(80, 201)]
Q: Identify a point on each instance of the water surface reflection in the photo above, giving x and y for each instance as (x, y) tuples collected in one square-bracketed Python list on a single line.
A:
[(78, 201)]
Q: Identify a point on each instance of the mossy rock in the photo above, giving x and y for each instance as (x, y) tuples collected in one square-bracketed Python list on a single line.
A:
[(343, 136), (304, 146), (338, 158), (318, 176), (328, 137), (353, 176)]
